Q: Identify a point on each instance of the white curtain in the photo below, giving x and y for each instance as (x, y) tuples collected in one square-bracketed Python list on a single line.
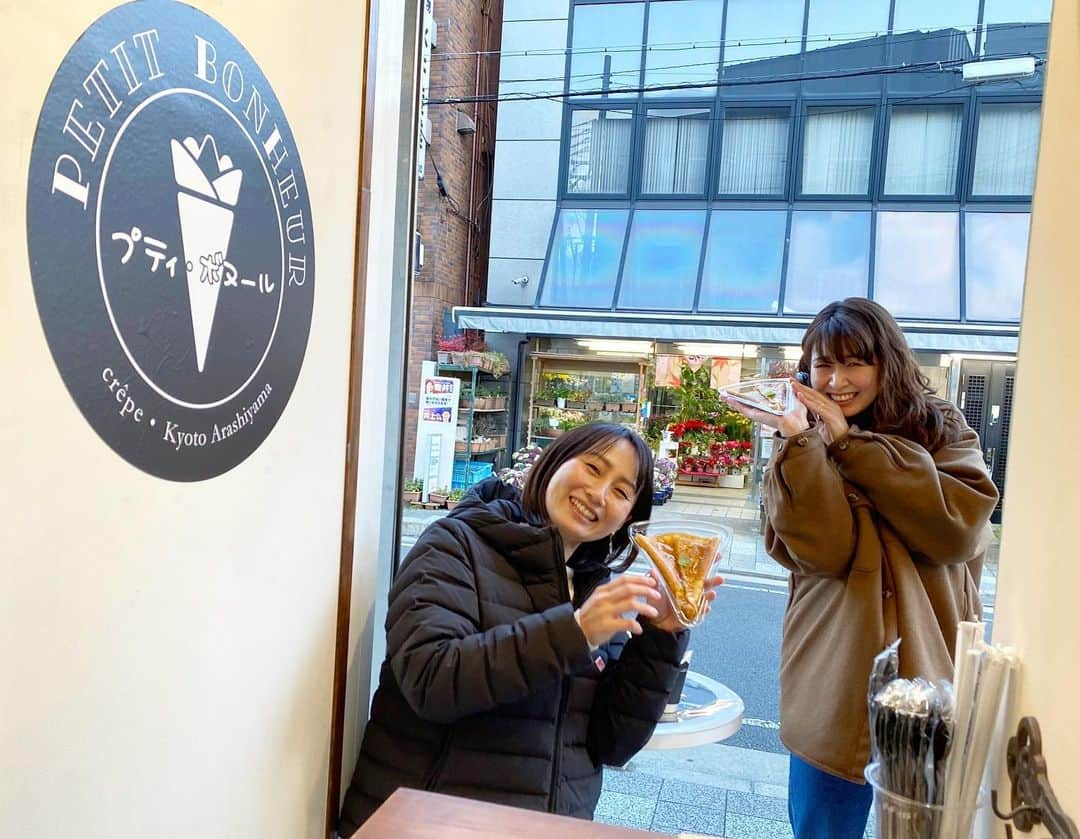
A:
[(1005, 150), (924, 146), (600, 153), (753, 155), (675, 153), (836, 157)]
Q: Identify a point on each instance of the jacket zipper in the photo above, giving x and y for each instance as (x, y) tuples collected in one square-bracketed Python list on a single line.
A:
[(564, 589), (433, 774)]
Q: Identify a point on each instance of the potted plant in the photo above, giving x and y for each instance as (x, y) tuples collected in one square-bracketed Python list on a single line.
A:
[(664, 471), (448, 346), (466, 398), (521, 462), (497, 363), (454, 498), (579, 398), (438, 496), (629, 407), (412, 490), (560, 390)]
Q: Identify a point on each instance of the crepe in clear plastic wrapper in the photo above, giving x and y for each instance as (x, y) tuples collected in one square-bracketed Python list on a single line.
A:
[(685, 553), (774, 396)]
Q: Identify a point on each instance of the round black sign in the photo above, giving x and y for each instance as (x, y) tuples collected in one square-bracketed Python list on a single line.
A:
[(170, 240)]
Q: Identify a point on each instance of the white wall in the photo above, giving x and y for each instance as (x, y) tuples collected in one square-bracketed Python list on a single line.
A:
[(1039, 578), (166, 649)]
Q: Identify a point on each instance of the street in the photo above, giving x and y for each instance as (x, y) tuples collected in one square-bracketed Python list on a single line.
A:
[(739, 645)]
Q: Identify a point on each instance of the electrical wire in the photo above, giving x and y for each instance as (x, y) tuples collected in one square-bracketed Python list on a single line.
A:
[(901, 69)]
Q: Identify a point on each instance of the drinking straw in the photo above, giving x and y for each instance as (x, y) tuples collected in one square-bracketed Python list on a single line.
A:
[(969, 635), (990, 690)]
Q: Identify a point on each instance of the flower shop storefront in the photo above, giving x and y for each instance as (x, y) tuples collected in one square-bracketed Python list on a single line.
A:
[(706, 456)]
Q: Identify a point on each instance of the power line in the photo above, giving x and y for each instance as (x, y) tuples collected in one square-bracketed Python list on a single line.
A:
[(713, 63), (843, 39), (939, 66)]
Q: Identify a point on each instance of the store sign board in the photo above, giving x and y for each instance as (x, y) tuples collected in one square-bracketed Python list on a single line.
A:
[(170, 240), (437, 431)]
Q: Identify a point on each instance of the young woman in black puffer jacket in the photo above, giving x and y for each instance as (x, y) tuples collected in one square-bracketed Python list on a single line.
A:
[(508, 675)]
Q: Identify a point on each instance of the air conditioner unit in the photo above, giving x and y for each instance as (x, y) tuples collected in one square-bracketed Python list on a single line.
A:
[(999, 70)]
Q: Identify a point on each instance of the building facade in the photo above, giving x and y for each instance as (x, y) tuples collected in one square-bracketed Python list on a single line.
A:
[(690, 171), (454, 176)]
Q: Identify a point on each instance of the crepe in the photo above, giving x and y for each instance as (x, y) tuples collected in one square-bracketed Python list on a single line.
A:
[(683, 560)]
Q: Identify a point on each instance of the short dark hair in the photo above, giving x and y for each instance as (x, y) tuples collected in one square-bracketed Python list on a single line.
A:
[(592, 438)]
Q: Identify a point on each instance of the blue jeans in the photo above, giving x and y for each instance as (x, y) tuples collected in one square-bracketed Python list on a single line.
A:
[(823, 806)]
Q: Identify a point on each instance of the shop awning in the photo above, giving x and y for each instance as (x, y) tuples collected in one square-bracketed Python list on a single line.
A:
[(574, 323)]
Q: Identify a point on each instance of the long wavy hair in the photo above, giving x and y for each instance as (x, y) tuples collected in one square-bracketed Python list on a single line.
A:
[(862, 329), (592, 438)]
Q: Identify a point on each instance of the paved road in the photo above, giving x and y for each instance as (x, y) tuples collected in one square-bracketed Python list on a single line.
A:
[(739, 645)]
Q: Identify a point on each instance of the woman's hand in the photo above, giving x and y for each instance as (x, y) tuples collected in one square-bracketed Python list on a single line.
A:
[(832, 424), (666, 618), (602, 615), (793, 422)]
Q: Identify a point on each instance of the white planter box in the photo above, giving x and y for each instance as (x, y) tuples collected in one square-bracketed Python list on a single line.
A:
[(731, 481)]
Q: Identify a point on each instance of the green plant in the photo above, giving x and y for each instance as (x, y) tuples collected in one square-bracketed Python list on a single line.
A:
[(414, 485), (455, 495), (572, 419), (695, 398), (654, 431), (555, 386), (498, 363)]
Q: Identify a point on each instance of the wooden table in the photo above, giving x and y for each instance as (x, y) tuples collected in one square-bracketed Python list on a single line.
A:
[(411, 814)]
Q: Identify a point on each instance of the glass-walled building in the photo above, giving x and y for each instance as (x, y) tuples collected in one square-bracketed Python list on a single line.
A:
[(717, 170)]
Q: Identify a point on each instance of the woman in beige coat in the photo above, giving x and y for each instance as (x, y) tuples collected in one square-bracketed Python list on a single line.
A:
[(878, 502)]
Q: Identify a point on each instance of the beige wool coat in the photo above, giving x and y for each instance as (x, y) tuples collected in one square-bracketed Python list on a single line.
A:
[(884, 540)]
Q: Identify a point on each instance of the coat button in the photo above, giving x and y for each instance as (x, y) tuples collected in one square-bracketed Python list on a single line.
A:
[(886, 594), (842, 445), (802, 441), (852, 497)]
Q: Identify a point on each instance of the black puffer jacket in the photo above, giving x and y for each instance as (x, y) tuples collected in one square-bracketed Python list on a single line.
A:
[(489, 690)]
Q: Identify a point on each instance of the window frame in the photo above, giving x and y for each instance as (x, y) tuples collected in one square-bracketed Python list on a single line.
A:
[(963, 101), (807, 102), (631, 106), (969, 183), (787, 107), (637, 162)]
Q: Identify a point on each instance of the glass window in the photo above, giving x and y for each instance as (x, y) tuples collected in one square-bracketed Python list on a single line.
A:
[(836, 153), (684, 46), (606, 51), (584, 260), (953, 21), (676, 151), (834, 22), (924, 147), (744, 258), (917, 264), (662, 260), (1013, 27), (599, 158), (829, 258), (995, 255), (1005, 150), (753, 152), (753, 34)]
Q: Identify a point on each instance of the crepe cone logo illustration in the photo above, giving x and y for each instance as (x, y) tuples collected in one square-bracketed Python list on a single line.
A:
[(208, 187)]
